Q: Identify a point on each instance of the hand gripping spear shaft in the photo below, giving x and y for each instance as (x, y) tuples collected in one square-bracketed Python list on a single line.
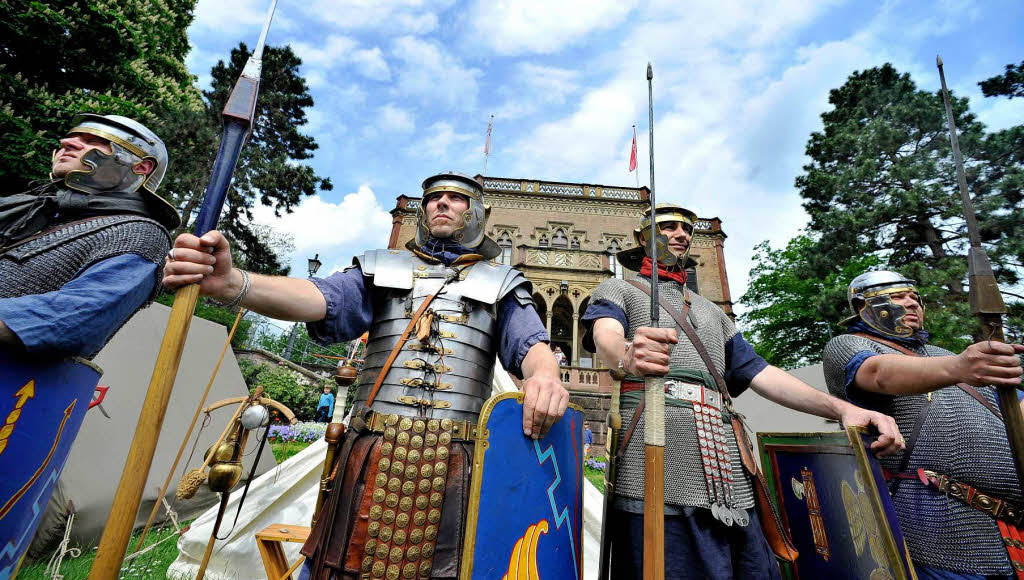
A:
[(238, 120), (654, 412), (986, 301)]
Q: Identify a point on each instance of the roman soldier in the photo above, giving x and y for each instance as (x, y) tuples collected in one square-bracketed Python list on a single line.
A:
[(437, 313), (711, 529), (954, 488)]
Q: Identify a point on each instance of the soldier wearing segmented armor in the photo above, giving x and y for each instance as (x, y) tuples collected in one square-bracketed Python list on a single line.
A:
[(437, 314), (711, 530), (956, 441)]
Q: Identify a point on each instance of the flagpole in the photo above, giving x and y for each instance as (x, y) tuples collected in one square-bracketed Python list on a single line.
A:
[(487, 144)]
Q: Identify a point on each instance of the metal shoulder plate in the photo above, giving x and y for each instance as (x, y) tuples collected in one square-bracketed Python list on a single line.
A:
[(489, 283), (389, 268)]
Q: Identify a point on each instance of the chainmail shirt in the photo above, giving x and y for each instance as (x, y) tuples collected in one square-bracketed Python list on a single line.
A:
[(684, 474), (959, 438)]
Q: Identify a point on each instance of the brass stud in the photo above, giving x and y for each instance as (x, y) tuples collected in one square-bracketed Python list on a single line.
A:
[(391, 500), (410, 472), (424, 485), (438, 483), (429, 454), (389, 433), (446, 424), (397, 468), (395, 484), (402, 520), (409, 571), (378, 495), (375, 512), (405, 504), (444, 438), (432, 425), (441, 468), (430, 439), (399, 538), (414, 456), (425, 568), (385, 536), (416, 536), (427, 550), (378, 569), (408, 488), (435, 499), (418, 426), (391, 420), (427, 470), (384, 463), (416, 441), (442, 453), (400, 454), (413, 554), (393, 572), (403, 438), (367, 564), (370, 545), (421, 502), (434, 516), (386, 448), (389, 517), (405, 424), (381, 479), (373, 529), (419, 518), (396, 555), (430, 533)]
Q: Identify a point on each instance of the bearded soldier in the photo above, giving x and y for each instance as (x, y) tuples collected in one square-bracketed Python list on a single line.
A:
[(82, 252), (437, 313), (954, 488), (710, 529)]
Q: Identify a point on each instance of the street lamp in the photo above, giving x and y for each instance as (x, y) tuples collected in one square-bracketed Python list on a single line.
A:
[(314, 264)]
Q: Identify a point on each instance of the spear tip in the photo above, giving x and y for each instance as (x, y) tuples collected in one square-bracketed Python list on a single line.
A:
[(650, 71), (938, 61)]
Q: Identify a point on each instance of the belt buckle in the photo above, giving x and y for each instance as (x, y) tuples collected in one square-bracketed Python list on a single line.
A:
[(684, 391), (713, 398)]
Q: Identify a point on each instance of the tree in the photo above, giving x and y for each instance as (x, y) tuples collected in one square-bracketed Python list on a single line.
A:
[(268, 171), (1010, 84), (792, 312), (58, 59)]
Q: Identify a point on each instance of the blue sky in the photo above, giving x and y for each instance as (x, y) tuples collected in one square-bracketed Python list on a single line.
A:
[(404, 89)]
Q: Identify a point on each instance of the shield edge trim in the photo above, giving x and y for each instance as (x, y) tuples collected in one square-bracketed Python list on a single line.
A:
[(853, 437), (479, 449)]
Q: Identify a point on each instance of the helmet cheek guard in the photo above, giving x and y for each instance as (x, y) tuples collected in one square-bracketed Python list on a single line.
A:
[(870, 299)]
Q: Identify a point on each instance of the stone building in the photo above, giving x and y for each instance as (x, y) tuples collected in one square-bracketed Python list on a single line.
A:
[(564, 237)]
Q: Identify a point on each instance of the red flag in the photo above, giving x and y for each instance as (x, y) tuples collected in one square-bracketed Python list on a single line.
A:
[(632, 154), (487, 144)]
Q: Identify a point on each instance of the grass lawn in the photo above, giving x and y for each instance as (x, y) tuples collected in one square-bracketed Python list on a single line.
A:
[(284, 450), (151, 565), (596, 476)]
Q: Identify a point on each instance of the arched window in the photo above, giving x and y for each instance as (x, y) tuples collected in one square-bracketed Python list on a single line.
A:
[(575, 243), (559, 240), (543, 242), (613, 261), (506, 249)]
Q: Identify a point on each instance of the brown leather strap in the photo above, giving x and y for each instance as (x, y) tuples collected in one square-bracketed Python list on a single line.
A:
[(629, 428), (963, 386), (398, 347), (908, 451)]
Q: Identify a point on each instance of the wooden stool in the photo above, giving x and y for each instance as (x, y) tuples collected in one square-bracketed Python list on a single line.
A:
[(269, 542)]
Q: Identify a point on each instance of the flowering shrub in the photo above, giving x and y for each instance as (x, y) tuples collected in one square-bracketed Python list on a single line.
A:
[(304, 432), (595, 464)]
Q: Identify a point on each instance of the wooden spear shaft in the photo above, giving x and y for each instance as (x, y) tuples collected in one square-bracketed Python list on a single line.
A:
[(654, 412)]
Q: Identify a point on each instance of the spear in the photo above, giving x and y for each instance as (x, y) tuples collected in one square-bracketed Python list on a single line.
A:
[(238, 118), (654, 413), (986, 301)]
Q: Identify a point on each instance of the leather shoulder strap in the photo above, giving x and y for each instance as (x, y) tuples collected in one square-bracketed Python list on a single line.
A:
[(963, 386)]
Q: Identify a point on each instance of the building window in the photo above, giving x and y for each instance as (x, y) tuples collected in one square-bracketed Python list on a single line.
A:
[(575, 243), (506, 249), (691, 279), (559, 240), (613, 261), (543, 241)]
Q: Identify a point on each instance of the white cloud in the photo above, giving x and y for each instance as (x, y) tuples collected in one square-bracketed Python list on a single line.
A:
[(370, 62), (383, 16), (514, 27), (229, 15), (442, 142), (395, 120), (535, 87), (338, 50), (430, 73)]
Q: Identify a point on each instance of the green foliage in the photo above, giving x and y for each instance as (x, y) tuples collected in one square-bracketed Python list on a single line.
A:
[(1010, 84), (794, 312), (207, 310), (286, 450), (284, 386)]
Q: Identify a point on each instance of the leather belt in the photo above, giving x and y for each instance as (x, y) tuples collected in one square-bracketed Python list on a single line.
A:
[(461, 430), (993, 506)]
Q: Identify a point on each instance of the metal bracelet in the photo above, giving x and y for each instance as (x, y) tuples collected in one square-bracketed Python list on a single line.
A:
[(246, 285)]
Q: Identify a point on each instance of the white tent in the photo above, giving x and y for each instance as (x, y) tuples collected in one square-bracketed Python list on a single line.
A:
[(287, 495)]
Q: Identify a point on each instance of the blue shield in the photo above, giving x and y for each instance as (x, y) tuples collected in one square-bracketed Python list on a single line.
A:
[(833, 498), (42, 407), (525, 518)]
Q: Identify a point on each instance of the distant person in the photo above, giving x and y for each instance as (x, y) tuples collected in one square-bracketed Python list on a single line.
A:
[(588, 438), (325, 408), (560, 356)]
